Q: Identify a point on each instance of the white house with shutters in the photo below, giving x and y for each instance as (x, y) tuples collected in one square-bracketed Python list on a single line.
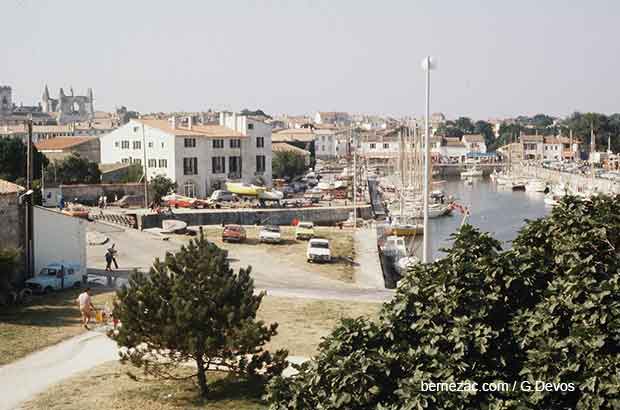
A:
[(198, 157)]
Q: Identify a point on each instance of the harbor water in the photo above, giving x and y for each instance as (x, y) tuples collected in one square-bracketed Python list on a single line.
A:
[(493, 209)]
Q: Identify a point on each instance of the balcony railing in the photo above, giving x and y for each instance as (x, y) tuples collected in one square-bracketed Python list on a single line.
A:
[(234, 175)]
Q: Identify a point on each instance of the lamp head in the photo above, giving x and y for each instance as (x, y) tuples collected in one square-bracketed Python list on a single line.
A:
[(429, 63)]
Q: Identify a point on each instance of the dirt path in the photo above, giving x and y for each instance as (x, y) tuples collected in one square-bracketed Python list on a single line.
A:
[(35, 373), (21, 380)]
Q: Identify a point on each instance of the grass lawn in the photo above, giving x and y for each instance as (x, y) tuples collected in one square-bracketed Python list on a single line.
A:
[(294, 252), (47, 320), (109, 387), (303, 322)]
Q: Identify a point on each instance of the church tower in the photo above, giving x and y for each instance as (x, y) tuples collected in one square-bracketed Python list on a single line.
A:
[(45, 99)]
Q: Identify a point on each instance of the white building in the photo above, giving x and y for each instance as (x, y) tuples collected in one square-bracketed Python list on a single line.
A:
[(331, 143), (475, 143), (199, 158)]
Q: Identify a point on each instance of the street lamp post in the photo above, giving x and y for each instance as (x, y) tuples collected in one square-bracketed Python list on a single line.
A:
[(427, 65)]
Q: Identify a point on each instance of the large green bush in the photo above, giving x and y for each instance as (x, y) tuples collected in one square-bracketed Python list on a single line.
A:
[(546, 310)]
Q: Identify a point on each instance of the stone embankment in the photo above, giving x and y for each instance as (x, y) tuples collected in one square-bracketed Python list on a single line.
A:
[(575, 181)]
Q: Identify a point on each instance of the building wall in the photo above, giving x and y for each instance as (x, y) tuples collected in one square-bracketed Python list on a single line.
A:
[(159, 145), (57, 238), (205, 182)]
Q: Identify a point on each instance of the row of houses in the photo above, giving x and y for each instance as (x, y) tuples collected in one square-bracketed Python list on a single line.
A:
[(383, 145), (538, 147)]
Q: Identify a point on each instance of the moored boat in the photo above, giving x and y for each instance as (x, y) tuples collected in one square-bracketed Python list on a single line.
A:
[(471, 172), (536, 185)]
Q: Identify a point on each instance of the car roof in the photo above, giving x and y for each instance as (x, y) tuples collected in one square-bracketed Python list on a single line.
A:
[(319, 240)]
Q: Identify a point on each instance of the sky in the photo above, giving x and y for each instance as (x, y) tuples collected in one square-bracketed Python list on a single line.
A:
[(495, 58)]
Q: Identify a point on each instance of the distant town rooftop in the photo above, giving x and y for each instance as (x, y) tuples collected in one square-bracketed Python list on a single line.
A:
[(62, 143), (197, 130)]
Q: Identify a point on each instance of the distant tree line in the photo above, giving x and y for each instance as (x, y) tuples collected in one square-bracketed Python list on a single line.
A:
[(605, 127)]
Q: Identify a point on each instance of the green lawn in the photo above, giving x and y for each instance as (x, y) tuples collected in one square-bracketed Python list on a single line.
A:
[(47, 320)]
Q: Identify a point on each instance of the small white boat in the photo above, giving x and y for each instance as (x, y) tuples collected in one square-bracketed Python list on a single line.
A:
[(394, 246), (518, 184), (503, 180), (173, 226), (404, 263), (471, 172), (494, 175), (536, 185), (469, 181)]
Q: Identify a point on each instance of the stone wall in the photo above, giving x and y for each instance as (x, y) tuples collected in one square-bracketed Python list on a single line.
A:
[(12, 233), (576, 182), (89, 193), (320, 216)]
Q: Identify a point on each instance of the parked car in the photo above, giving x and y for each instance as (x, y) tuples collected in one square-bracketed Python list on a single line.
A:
[(234, 233), (318, 250), (288, 191), (270, 234), (299, 186), (56, 276), (221, 195), (304, 231)]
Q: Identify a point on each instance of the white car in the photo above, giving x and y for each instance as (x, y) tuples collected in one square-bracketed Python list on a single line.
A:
[(270, 234), (318, 250), (56, 276)]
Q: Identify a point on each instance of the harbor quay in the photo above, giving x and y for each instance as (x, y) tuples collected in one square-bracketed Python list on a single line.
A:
[(578, 181), (319, 215)]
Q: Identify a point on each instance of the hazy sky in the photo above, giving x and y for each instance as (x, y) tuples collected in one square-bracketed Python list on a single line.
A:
[(496, 57)]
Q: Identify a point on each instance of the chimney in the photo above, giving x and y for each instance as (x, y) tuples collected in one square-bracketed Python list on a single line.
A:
[(223, 118), (189, 122), (173, 122), (234, 120)]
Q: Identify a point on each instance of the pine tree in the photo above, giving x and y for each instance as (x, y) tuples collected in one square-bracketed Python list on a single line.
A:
[(193, 307)]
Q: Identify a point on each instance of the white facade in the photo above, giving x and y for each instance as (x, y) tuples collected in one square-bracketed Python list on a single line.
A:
[(199, 158), (58, 238), (329, 144), (475, 143)]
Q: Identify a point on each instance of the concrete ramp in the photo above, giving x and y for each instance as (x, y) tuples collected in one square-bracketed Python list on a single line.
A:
[(368, 273)]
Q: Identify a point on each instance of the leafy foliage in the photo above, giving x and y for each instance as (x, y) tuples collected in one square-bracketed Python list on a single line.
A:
[(161, 186), (548, 309), (13, 159), (134, 174), (74, 170), (604, 127), (288, 164), (194, 307), (9, 264)]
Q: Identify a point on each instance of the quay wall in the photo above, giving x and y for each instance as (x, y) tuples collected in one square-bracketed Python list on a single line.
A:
[(318, 215), (576, 181)]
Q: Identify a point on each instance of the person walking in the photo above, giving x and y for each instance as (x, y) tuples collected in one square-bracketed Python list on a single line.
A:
[(112, 250), (108, 261), (86, 307)]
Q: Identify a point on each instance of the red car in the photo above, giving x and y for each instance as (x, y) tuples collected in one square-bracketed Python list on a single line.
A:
[(233, 233)]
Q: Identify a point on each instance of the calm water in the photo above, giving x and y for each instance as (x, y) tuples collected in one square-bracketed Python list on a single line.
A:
[(493, 209)]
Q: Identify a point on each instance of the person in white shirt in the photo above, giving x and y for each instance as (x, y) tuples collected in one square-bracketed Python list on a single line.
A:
[(86, 306)]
